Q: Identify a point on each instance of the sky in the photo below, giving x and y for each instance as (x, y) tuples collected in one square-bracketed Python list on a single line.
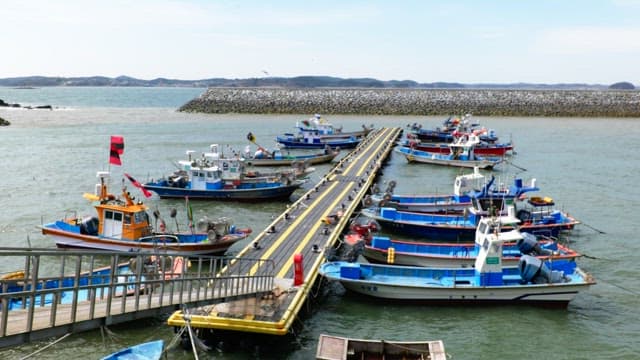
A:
[(466, 41)]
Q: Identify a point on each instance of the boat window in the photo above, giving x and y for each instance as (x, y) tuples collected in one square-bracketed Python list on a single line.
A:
[(117, 216), (482, 227), (140, 217), (108, 215), (127, 218)]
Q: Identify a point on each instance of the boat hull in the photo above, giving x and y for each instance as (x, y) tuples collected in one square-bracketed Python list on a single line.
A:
[(446, 254), (147, 351), (282, 192), (69, 239), (425, 204), (449, 286), (290, 160), (443, 148), (446, 160), (452, 228), (293, 143)]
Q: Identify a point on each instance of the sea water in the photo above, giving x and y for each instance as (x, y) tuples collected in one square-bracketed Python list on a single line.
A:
[(587, 165)]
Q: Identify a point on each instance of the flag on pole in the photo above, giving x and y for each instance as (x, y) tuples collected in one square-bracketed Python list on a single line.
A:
[(117, 148), (251, 137), (135, 183)]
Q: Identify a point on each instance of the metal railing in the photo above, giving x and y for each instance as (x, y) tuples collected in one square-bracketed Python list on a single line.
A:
[(74, 290)]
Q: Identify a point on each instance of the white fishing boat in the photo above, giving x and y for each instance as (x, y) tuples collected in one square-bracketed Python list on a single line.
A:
[(461, 154)]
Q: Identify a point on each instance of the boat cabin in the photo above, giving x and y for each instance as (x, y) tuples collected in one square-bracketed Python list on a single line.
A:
[(489, 239), (318, 125), (463, 147), (117, 218)]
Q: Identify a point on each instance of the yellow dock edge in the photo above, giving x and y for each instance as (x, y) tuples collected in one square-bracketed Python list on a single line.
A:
[(280, 327)]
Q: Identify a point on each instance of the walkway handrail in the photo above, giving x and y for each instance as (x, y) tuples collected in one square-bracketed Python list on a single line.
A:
[(55, 288)]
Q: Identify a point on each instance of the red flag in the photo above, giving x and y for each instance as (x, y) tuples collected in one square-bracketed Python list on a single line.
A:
[(117, 148), (135, 183)]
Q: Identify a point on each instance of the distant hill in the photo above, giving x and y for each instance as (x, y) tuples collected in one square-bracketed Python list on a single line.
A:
[(292, 82)]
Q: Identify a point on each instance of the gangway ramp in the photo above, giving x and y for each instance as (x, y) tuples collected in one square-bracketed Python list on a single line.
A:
[(56, 292), (309, 227)]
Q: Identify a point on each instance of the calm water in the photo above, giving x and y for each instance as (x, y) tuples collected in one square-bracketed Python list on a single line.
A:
[(589, 167)]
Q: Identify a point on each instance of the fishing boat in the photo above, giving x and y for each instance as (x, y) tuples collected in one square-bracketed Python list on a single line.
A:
[(548, 283), (461, 227), (483, 148), (316, 133), (468, 190), (306, 139), (216, 177), (326, 130), (146, 351), (382, 249), (461, 154), (450, 130), (343, 348), (277, 157), (123, 224), (125, 279)]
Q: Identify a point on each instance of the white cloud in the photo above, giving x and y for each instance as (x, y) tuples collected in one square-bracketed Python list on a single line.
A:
[(588, 41)]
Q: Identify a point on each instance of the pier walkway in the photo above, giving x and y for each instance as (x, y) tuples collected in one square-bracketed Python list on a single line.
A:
[(60, 291), (306, 230)]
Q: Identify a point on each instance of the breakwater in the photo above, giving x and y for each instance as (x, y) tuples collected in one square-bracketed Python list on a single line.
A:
[(586, 103)]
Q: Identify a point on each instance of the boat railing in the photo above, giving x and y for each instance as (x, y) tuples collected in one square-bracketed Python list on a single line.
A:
[(56, 288)]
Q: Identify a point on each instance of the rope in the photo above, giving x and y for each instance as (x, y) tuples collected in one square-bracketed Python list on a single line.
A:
[(622, 288), (592, 228), (175, 339), (46, 347), (514, 165)]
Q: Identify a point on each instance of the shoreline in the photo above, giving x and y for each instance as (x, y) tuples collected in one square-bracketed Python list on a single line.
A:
[(552, 103)]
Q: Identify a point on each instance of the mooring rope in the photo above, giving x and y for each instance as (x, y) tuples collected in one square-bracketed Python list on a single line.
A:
[(46, 347)]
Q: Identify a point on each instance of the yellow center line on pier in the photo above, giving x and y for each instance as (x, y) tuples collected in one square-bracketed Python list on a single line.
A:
[(333, 205), (314, 229), (290, 228), (275, 245)]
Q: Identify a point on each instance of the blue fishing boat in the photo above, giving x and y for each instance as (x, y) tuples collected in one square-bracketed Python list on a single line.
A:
[(311, 140), (461, 226), (468, 190), (550, 283), (461, 154), (146, 351), (316, 133), (215, 177), (327, 130)]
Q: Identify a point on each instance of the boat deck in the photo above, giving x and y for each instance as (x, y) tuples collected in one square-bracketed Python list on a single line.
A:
[(308, 228)]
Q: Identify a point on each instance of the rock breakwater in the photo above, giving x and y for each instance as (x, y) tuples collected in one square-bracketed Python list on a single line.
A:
[(587, 103)]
